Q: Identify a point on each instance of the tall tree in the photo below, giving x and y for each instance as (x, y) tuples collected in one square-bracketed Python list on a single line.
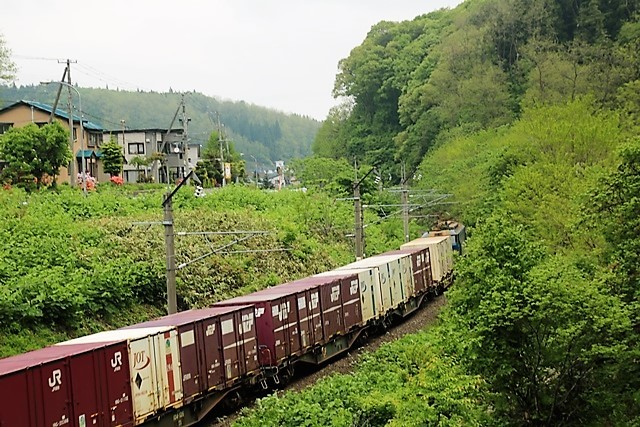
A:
[(31, 152), (330, 139), (616, 206), (7, 67), (547, 338), (112, 158)]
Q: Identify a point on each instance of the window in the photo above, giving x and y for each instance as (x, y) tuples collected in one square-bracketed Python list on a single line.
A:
[(5, 127), (94, 139), (136, 148), (131, 176)]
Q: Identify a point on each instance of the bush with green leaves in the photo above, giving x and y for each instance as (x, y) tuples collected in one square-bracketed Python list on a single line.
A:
[(410, 382), (77, 263), (538, 327), (32, 153)]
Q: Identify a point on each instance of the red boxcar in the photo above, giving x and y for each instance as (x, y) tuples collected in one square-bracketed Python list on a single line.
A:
[(340, 304), (349, 298), (277, 324), (217, 346), (309, 311), (292, 317), (68, 385), (154, 367)]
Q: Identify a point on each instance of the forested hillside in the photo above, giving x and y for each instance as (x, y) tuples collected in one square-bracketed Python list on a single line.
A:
[(411, 85), (527, 113), (268, 135)]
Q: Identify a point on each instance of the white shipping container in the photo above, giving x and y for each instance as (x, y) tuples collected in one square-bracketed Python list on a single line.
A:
[(408, 281), (395, 275), (390, 274), (440, 251), (144, 377), (380, 272), (167, 353)]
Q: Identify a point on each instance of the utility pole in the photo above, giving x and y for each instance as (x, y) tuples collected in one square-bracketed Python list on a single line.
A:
[(405, 205), (357, 204), (172, 304), (170, 249), (220, 141), (358, 220), (72, 164), (255, 168), (55, 103), (123, 122), (185, 140)]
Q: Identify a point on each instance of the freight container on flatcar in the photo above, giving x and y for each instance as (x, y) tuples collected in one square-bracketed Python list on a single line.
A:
[(369, 290), (391, 271), (75, 385), (154, 366), (218, 346), (420, 267), (313, 330), (349, 297), (441, 252), (277, 324)]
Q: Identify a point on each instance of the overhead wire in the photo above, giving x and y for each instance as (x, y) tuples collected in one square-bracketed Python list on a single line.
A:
[(90, 71)]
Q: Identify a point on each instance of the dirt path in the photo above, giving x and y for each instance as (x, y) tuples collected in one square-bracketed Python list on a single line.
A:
[(424, 317)]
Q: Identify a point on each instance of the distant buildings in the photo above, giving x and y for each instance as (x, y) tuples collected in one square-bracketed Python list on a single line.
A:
[(140, 146)]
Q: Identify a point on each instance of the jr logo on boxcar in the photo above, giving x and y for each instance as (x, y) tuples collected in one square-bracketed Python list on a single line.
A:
[(55, 381), (247, 322), (211, 329), (314, 301), (353, 289), (116, 361)]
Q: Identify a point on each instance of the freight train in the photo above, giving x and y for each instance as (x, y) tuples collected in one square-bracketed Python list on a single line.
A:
[(175, 370)]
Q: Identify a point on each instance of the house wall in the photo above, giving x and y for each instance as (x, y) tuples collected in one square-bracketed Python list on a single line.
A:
[(144, 143)]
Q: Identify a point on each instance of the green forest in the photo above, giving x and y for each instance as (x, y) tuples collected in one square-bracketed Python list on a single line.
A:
[(266, 134), (525, 112)]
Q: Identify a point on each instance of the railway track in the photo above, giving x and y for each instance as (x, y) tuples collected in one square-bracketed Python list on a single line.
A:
[(424, 317)]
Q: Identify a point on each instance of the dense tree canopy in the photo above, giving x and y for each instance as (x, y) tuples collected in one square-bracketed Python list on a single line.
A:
[(475, 67), (526, 112), (33, 152), (112, 157)]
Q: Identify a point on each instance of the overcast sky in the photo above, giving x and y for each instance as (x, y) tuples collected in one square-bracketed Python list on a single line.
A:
[(281, 54)]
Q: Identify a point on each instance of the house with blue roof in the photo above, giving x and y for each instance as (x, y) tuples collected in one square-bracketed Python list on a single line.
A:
[(86, 144)]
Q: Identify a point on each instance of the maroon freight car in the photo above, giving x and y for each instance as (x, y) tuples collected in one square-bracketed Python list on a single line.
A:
[(277, 324), (296, 316), (217, 346), (309, 312), (340, 304), (72, 385)]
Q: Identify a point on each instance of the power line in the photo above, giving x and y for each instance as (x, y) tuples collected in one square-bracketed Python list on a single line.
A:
[(37, 58), (90, 71)]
